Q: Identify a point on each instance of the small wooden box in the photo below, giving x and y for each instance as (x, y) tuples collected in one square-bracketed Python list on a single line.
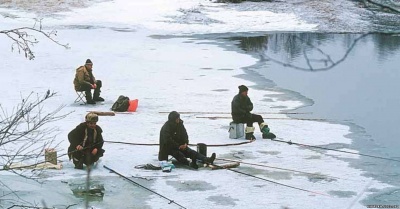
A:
[(50, 155)]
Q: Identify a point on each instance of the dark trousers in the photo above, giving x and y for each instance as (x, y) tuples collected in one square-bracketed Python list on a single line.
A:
[(86, 157), (182, 155), (249, 119), (88, 88)]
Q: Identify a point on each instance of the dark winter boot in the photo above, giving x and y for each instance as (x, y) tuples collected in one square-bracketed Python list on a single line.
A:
[(265, 131), (96, 94), (78, 163), (79, 166), (268, 136), (210, 160), (96, 97), (249, 133), (89, 99), (264, 128), (194, 165)]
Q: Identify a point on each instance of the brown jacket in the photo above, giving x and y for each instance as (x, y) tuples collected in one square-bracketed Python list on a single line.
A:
[(81, 77)]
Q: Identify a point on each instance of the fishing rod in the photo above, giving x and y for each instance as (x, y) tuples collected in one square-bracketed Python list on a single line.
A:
[(228, 117), (130, 143), (348, 152), (274, 182), (230, 113), (137, 184), (278, 168), (208, 145), (108, 113)]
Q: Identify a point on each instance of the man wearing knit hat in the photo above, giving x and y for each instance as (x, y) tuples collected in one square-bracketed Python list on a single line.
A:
[(241, 106), (85, 81), (174, 141), (86, 142)]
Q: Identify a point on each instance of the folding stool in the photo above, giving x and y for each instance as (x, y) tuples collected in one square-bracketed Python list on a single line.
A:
[(81, 97)]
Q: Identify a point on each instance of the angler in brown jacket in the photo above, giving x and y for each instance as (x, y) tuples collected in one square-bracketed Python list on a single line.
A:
[(85, 81)]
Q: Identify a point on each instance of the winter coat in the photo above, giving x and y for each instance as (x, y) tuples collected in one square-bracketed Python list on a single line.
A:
[(172, 135), (82, 77), (241, 107), (79, 136)]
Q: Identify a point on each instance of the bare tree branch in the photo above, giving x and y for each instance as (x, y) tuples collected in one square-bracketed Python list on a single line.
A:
[(25, 132), (23, 41)]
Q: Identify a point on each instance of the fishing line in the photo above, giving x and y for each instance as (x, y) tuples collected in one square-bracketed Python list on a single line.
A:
[(229, 117), (137, 184), (230, 113), (285, 169), (208, 145), (348, 152), (285, 185)]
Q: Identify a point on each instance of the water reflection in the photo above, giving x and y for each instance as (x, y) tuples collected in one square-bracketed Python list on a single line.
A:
[(354, 82), (314, 51), (95, 192)]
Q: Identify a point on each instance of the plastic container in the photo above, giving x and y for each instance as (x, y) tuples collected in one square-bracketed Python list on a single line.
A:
[(133, 104)]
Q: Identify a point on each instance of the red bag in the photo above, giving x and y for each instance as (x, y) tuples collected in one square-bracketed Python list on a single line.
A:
[(133, 105)]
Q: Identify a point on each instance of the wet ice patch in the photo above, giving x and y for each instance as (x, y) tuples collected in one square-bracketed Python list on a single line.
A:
[(342, 193), (191, 185), (221, 90), (269, 152), (222, 200)]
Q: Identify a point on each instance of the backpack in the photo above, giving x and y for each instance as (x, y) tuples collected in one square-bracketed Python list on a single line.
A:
[(121, 105)]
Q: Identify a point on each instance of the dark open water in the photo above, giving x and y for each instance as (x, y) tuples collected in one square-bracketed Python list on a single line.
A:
[(351, 79)]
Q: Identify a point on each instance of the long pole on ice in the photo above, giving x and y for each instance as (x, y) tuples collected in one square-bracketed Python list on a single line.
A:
[(137, 184)]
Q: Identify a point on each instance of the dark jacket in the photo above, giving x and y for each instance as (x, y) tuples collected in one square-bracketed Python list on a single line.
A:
[(82, 135), (240, 107), (172, 135)]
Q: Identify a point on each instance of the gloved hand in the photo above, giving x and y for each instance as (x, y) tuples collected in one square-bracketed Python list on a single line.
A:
[(183, 147)]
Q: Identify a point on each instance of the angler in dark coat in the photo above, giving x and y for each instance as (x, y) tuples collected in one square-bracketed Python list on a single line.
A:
[(174, 141), (86, 142), (241, 107)]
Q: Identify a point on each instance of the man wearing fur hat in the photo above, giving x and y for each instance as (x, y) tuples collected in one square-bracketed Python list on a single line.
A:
[(241, 107), (85, 81), (86, 142), (174, 141)]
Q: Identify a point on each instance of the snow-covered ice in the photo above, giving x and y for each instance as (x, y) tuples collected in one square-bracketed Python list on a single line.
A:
[(124, 40)]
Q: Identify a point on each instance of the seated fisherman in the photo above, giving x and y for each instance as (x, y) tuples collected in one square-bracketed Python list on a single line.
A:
[(174, 141), (241, 106)]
